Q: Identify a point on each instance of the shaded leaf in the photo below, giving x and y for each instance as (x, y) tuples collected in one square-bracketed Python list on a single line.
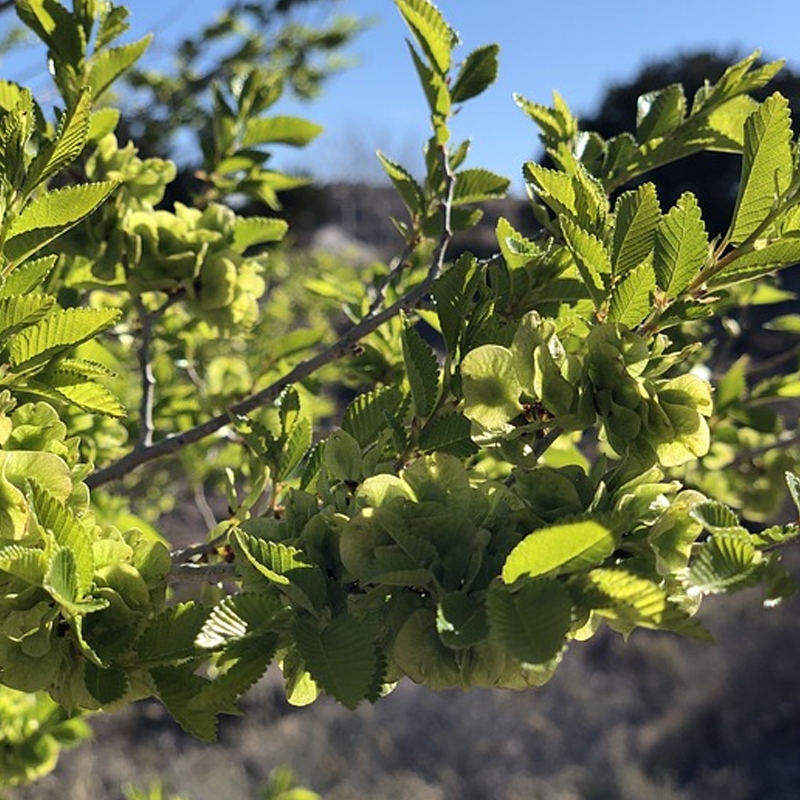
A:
[(532, 623)]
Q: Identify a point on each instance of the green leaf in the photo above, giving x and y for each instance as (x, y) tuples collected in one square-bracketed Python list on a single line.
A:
[(280, 130), (461, 620), (477, 73), (631, 299), (737, 79), (764, 258), (478, 186), (21, 311), (436, 38), (422, 369), (70, 139), (26, 563), (341, 658), (253, 657), (716, 517), (727, 561), (767, 166), (533, 622), (61, 580), (404, 182), (170, 637), (490, 386), (26, 277), (681, 246), (793, 483), (107, 65), (342, 457), (637, 215), (249, 231), (58, 330), (177, 689), (86, 394), (363, 419), (52, 213), (454, 292), (236, 617), (628, 600), (559, 549), (591, 257), (283, 566), (105, 685), (448, 433), (556, 188), (659, 113)]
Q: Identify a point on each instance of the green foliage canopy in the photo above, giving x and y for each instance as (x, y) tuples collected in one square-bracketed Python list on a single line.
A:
[(549, 466)]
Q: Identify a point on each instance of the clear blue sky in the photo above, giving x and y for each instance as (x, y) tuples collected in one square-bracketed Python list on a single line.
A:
[(578, 48)]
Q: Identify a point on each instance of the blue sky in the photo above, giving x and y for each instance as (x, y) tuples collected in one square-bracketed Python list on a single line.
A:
[(578, 48)]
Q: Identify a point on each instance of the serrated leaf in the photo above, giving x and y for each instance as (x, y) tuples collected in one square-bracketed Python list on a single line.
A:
[(554, 187), (448, 433), (22, 311), (61, 580), (752, 264), (86, 394), (106, 685), (454, 292), (477, 73), (297, 444), (559, 549), (422, 370), (363, 419), (630, 601), (280, 130), (50, 214), (170, 637), (107, 65), (727, 561), (767, 166), (437, 92), (404, 182), (283, 566), (793, 484), (478, 185), (591, 257), (177, 688), (533, 622), (26, 563), (461, 621), (637, 215), (249, 231), (341, 658), (253, 657), (631, 299), (659, 113), (436, 38), (54, 516), (236, 617), (26, 277), (737, 79), (60, 329), (715, 517), (113, 23), (70, 139), (681, 246)]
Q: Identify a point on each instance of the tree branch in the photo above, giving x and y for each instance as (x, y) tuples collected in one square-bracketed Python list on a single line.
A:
[(143, 453)]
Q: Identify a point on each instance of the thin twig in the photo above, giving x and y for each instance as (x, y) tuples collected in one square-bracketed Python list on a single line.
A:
[(144, 453), (205, 573), (147, 378)]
